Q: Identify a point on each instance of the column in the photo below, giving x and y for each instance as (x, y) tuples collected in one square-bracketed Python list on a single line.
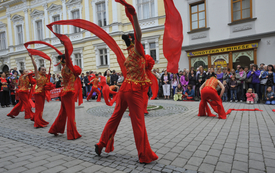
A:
[(115, 16), (87, 16), (64, 10), (209, 61), (46, 19), (10, 31), (230, 60), (255, 55), (27, 24)]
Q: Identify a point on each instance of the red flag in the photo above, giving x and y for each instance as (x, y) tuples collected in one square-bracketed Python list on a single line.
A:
[(173, 36)]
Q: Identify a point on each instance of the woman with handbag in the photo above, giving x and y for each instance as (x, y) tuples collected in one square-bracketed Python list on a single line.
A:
[(269, 76), (4, 92)]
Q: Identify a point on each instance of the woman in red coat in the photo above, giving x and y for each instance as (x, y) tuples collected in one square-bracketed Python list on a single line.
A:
[(210, 95), (40, 94), (131, 95), (23, 93)]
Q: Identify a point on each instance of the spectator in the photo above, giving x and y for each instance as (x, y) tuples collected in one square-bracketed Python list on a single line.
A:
[(184, 80), (175, 82), (157, 75), (189, 94), (224, 96), (82, 78), (227, 75), (192, 79), (114, 78), (86, 81), (178, 94), (233, 88), (4, 91), (241, 76), (120, 79), (108, 78), (269, 75), (219, 74), (57, 77), (52, 80), (270, 96), (12, 88), (15, 70), (201, 77), (238, 68), (165, 78), (263, 82), (250, 96), (233, 72), (261, 66), (255, 82), (58, 83)]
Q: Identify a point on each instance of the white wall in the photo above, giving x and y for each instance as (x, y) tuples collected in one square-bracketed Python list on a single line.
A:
[(266, 51)]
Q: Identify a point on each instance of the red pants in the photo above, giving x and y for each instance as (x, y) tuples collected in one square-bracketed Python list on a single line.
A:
[(145, 99), (39, 107), (67, 110), (23, 101), (188, 98), (207, 94), (134, 100), (94, 89)]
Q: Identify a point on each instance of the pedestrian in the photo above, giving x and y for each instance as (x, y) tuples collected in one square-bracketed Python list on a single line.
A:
[(4, 91), (240, 77), (165, 78), (224, 96), (233, 88)]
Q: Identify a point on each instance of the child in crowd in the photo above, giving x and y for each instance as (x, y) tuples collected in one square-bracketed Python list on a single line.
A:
[(224, 96), (270, 96), (178, 93), (250, 96), (189, 94), (233, 88)]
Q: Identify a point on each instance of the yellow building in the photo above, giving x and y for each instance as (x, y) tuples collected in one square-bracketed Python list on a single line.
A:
[(26, 20)]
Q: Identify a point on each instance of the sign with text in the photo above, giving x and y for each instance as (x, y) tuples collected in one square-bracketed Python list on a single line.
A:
[(223, 49)]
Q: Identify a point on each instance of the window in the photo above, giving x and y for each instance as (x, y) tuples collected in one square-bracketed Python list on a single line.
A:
[(56, 27), (101, 14), (153, 50), (58, 68), (198, 16), (76, 16), (78, 60), (19, 34), (22, 65), (103, 57), (2, 40), (241, 9), (39, 30), (146, 9), (41, 63)]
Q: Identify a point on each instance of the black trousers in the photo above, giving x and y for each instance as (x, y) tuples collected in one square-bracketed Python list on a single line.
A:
[(5, 98)]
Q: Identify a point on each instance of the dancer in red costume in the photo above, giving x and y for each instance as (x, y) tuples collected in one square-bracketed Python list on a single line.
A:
[(209, 95), (68, 97), (130, 94), (96, 85), (42, 81), (23, 93)]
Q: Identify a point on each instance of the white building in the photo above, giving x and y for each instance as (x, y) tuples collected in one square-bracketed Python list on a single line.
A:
[(227, 32)]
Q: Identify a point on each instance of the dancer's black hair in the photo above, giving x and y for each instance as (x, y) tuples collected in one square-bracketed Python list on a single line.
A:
[(127, 39)]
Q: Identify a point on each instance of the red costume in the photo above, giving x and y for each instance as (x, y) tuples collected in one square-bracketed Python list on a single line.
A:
[(131, 94), (95, 89), (67, 108), (23, 94), (209, 94), (40, 95)]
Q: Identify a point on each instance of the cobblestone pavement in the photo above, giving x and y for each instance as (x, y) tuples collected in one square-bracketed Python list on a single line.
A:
[(184, 142)]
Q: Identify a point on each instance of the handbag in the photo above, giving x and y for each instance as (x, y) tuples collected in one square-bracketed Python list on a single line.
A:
[(248, 80)]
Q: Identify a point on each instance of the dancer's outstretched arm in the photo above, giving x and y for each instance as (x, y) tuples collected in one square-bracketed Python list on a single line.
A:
[(35, 66)]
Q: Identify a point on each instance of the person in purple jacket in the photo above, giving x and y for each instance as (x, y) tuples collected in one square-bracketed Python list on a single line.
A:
[(220, 74), (255, 83), (184, 80)]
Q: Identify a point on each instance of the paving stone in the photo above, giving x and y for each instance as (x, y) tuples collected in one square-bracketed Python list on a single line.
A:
[(195, 161), (256, 165), (76, 168), (179, 162), (55, 169), (207, 168), (210, 160), (224, 167), (36, 169), (36, 164), (242, 166), (226, 158)]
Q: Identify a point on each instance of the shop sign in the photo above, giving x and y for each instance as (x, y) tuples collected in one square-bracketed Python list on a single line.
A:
[(223, 49), (220, 63)]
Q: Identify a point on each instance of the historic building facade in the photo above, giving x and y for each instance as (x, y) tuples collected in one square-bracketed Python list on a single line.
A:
[(26, 20), (227, 33)]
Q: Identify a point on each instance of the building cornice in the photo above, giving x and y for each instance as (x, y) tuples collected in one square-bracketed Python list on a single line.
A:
[(228, 41)]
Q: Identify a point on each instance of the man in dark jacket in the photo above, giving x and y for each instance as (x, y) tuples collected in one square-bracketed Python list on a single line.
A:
[(114, 78), (86, 81)]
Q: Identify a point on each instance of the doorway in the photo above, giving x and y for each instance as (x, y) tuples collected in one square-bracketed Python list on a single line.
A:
[(243, 61)]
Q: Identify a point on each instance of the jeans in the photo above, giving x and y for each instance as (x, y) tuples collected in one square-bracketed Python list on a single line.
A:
[(241, 92), (256, 87), (270, 102), (88, 89), (224, 97), (233, 91)]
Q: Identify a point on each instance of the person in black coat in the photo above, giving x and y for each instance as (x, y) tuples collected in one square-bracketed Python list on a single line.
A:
[(192, 79), (200, 78), (114, 78)]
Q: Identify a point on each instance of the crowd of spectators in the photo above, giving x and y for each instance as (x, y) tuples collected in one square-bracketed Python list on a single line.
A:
[(249, 83)]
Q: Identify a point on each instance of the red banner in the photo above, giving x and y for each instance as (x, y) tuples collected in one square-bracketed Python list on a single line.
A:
[(54, 93)]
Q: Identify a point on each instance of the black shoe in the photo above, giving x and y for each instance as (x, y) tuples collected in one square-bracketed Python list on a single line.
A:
[(97, 150)]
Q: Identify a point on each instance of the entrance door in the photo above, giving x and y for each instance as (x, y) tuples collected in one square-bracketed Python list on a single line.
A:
[(243, 61)]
